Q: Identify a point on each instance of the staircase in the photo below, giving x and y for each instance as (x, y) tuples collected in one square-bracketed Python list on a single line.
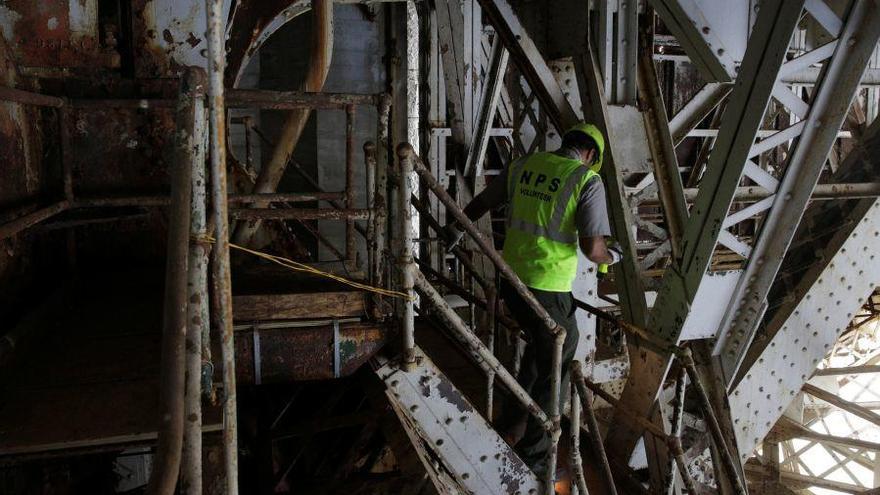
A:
[(460, 450)]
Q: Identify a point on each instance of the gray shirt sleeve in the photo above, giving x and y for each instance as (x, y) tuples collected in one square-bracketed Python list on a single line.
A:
[(591, 216)]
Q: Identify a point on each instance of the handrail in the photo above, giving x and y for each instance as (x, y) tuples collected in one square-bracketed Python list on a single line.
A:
[(550, 420)]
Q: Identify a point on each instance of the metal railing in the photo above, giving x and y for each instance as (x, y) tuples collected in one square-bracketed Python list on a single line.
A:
[(688, 373), (249, 207), (412, 278), (190, 230)]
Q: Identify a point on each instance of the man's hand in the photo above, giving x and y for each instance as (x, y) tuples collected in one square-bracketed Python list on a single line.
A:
[(451, 235), (615, 251)]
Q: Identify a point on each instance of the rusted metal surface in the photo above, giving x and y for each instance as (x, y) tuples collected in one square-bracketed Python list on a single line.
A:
[(577, 466), (478, 352), (321, 50), (253, 23), (169, 35), (380, 194), (166, 464), (221, 273), (303, 353), (57, 34), (286, 197), (296, 100), (29, 98), (117, 149), (13, 227), (198, 338), (675, 440), (685, 358), (301, 214), (405, 261), (350, 246), (577, 379)]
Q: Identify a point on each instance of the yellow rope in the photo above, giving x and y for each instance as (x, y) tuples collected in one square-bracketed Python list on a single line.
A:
[(300, 267)]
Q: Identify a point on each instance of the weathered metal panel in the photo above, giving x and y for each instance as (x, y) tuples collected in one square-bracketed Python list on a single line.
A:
[(121, 150), (817, 321), (706, 311), (455, 439), (59, 33), (281, 355)]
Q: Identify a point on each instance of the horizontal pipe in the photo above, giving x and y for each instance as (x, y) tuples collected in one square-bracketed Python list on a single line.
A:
[(29, 98), (302, 214), (822, 192), (121, 202), (129, 103), (235, 98), (288, 100), (159, 200), (13, 227), (286, 197)]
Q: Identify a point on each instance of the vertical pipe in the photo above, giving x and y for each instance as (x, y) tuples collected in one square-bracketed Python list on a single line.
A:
[(492, 317), (350, 249), (405, 256), (66, 153), (577, 464), (687, 360), (555, 409), (248, 145), (220, 269), (171, 380), (380, 195), (675, 439), (198, 319), (370, 162), (577, 376)]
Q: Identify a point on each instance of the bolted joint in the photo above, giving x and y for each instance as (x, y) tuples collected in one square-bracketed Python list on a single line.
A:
[(686, 356), (404, 151), (559, 333)]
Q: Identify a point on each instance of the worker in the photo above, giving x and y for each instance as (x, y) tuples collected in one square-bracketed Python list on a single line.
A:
[(556, 202)]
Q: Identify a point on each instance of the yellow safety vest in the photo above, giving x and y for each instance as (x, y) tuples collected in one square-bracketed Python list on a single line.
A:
[(541, 241)]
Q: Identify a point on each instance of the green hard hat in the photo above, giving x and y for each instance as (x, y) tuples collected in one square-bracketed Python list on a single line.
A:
[(593, 132)]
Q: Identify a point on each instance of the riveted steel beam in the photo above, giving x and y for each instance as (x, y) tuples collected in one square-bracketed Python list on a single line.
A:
[(530, 62), (748, 102), (827, 113)]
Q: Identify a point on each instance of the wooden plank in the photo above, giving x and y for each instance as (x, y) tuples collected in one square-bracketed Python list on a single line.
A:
[(298, 306)]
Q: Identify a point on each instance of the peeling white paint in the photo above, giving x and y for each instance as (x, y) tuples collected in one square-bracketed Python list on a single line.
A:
[(8, 19), (52, 23)]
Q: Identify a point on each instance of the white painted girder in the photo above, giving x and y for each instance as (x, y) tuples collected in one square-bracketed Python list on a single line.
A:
[(455, 443), (789, 359)]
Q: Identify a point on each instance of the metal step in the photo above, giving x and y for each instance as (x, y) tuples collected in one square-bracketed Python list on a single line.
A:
[(460, 450)]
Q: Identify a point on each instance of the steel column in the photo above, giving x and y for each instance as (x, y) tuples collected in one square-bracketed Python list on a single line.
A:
[(666, 174), (198, 312), (626, 273), (530, 63), (766, 50), (405, 260), (492, 91), (830, 105), (166, 466), (221, 275)]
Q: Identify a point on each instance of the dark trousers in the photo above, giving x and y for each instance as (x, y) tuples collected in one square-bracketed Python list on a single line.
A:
[(536, 369)]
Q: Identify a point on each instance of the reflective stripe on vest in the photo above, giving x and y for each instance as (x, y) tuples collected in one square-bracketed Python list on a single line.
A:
[(541, 245)]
